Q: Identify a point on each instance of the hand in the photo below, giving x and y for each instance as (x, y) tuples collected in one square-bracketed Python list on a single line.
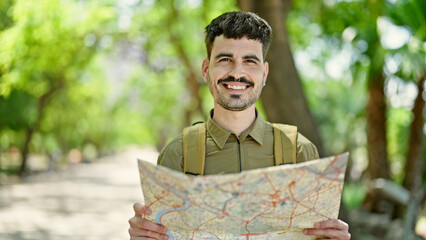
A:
[(141, 228), (330, 229)]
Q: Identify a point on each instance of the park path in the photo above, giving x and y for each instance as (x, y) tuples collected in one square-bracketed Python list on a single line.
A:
[(88, 201)]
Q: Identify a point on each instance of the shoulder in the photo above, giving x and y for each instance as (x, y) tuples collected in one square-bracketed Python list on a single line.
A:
[(306, 150), (171, 155)]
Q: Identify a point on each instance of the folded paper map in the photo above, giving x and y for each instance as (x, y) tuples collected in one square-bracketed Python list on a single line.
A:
[(268, 203)]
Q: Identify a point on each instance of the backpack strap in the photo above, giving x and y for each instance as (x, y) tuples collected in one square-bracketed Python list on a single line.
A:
[(285, 143), (194, 149)]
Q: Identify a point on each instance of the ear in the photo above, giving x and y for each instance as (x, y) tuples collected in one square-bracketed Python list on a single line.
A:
[(265, 71), (205, 69)]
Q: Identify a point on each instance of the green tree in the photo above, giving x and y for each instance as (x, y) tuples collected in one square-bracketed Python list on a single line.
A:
[(412, 69), (354, 27), (44, 51)]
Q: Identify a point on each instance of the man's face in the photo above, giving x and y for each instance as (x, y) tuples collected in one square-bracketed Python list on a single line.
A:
[(235, 72)]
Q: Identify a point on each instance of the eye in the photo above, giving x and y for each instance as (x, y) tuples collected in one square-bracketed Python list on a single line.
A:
[(224, 60), (251, 61)]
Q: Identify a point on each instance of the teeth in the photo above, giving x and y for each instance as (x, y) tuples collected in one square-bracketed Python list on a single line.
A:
[(236, 87)]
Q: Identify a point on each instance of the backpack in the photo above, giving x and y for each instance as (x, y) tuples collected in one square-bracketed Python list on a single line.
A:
[(194, 146)]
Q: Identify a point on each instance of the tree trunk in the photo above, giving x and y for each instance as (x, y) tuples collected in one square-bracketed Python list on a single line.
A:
[(415, 158), (376, 133), (378, 166), (283, 98), (41, 106), (246, 5), (377, 145), (25, 151)]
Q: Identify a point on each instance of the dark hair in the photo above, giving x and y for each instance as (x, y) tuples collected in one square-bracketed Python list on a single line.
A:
[(237, 25)]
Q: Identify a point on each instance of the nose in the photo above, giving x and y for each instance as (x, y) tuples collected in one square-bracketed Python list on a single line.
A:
[(237, 70)]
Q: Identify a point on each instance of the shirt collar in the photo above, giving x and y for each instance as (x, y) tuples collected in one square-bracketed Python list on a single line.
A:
[(221, 135)]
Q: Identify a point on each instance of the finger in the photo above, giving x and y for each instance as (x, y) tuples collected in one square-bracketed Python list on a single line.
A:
[(332, 223), (142, 238), (142, 223), (321, 232), (137, 233), (328, 233), (141, 209)]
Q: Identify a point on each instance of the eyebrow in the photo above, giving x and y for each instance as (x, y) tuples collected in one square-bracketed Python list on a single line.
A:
[(251, 56), (224, 55)]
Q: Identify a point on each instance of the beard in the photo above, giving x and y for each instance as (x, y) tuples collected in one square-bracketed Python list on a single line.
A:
[(234, 102)]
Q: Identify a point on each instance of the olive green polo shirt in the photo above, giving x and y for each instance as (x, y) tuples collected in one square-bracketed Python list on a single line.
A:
[(228, 153)]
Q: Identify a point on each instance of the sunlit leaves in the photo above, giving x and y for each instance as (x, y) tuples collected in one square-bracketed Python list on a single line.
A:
[(43, 56), (113, 66), (44, 43)]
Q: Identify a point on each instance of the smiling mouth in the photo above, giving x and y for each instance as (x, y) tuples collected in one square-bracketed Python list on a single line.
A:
[(235, 87)]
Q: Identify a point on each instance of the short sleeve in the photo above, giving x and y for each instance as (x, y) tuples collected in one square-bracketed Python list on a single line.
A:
[(171, 156), (306, 150)]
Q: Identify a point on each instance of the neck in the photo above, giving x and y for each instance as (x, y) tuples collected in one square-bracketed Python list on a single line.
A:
[(234, 121)]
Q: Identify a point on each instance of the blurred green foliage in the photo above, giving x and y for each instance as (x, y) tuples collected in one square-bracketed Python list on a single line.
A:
[(337, 44), (353, 195), (98, 74)]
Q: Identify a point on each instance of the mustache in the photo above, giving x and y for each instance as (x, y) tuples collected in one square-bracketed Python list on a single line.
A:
[(232, 79)]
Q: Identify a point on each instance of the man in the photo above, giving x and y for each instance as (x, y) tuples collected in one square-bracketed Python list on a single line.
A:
[(237, 137)]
